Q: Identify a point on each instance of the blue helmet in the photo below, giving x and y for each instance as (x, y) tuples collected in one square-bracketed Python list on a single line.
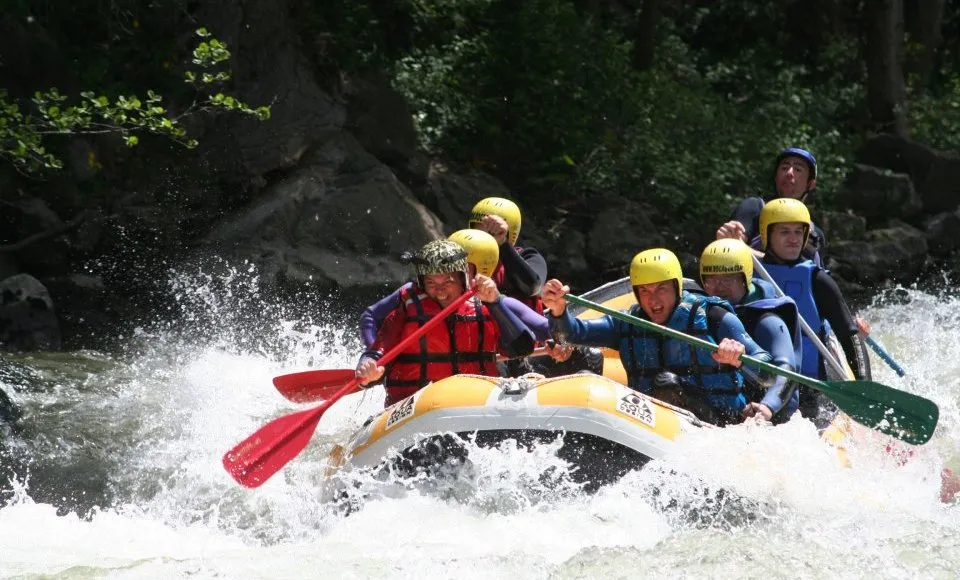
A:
[(796, 152)]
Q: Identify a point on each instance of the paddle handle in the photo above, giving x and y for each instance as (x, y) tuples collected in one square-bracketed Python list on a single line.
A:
[(677, 335), (882, 353)]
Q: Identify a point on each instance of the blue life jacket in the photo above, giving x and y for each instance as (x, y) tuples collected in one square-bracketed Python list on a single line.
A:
[(644, 354), (796, 281), (784, 307)]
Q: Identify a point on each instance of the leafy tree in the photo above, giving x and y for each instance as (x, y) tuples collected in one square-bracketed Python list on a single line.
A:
[(23, 133)]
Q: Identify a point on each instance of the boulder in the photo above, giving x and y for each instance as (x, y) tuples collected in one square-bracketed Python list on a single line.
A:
[(27, 318), (897, 253), (943, 232), (877, 194), (268, 69), (380, 118), (935, 174), (451, 194), (341, 219), (841, 225)]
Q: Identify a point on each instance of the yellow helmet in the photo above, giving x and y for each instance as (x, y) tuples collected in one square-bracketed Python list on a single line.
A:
[(482, 249), (656, 265), (781, 211), (500, 207), (728, 256)]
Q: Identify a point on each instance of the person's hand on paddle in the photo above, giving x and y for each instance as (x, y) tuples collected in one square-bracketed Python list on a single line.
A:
[(732, 229), (486, 289), (757, 410), (494, 225), (729, 352), (368, 371), (864, 326), (553, 296), (559, 352)]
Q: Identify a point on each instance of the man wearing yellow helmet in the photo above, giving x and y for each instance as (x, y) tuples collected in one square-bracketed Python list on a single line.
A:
[(472, 256), (521, 271), (710, 385), (784, 229), (794, 177), (726, 270)]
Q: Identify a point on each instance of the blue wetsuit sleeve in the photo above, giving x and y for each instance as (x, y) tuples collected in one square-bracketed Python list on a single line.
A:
[(372, 318), (595, 332), (515, 338), (535, 322), (731, 327), (773, 333)]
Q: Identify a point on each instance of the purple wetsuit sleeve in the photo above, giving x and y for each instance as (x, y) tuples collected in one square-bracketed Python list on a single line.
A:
[(535, 322), (372, 318)]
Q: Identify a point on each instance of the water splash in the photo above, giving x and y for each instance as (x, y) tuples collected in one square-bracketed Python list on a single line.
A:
[(123, 455)]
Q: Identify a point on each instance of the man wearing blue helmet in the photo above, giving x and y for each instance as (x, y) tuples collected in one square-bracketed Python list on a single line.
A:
[(795, 176)]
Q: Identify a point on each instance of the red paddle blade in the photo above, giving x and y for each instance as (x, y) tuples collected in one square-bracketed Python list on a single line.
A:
[(310, 386), (255, 459)]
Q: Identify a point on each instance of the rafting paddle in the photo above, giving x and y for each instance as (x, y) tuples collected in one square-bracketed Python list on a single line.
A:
[(255, 459), (903, 415), (317, 385)]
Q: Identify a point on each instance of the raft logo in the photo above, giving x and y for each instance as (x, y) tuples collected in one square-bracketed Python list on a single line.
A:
[(403, 411), (637, 407)]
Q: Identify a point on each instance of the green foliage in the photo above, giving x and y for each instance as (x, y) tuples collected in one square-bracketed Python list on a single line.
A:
[(23, 134), (552, 103), (935, 119)]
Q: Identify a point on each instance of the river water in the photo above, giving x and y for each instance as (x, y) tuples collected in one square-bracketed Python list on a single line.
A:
[(114, 472)]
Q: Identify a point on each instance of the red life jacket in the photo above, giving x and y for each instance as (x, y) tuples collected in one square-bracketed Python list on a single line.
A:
[(500, 276), (467, 343)]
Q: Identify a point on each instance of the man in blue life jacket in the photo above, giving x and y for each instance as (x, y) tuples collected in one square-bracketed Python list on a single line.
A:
[(726, 271), (795, 177), (784, 229), (708, 384)]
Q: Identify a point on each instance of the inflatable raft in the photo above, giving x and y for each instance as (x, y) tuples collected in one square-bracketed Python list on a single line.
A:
[(607, 428)]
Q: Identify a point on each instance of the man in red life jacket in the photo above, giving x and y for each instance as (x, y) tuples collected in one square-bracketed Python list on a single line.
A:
[(468, 343)]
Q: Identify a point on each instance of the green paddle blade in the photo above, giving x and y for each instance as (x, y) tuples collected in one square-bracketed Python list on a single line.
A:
[(899, 414)]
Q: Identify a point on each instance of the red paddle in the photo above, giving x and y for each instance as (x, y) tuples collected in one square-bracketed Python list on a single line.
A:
[(318, 385), (255, 459)]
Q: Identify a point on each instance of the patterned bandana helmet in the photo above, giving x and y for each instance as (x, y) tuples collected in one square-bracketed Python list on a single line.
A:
[(439, 257)]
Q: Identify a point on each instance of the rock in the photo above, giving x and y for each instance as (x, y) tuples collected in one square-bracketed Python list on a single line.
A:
[(89, 313), (452, 195), (28, 216), (838, 225), (898, 253), (341, 219), (619, 231), (935, 174), (877, 194), (27, 318), (380, 118), (269, 69), (566, 257), (943, 233)]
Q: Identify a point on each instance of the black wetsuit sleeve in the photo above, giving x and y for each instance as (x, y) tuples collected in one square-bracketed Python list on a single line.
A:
[(834, 309), (525, 272), (748, 214)]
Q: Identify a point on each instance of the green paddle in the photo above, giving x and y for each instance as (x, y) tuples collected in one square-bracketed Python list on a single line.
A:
[(899, 414)]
